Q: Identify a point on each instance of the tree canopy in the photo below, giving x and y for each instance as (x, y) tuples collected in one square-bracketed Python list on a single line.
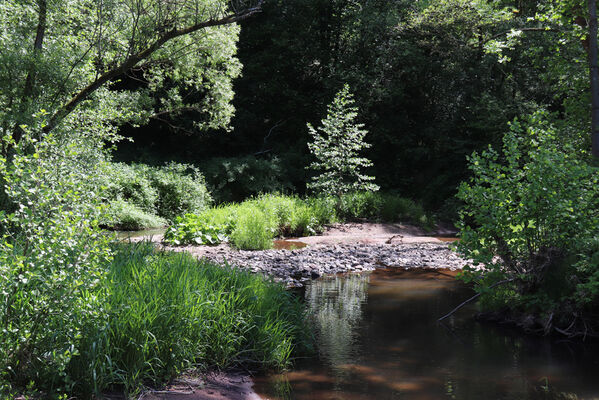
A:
[(96, 65)]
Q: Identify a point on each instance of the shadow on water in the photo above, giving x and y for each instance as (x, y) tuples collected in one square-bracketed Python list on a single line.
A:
[(378, 338)]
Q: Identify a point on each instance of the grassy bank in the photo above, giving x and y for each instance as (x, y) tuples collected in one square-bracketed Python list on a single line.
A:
[(165, 312), (252, 224)]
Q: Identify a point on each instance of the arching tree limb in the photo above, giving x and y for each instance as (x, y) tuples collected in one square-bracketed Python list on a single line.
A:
[(134, 59)]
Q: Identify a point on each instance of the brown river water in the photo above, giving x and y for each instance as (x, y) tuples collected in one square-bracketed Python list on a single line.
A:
[(378, 338)]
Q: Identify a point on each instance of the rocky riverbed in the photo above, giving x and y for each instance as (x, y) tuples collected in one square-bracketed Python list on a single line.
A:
[(342, 248), (326, 256)]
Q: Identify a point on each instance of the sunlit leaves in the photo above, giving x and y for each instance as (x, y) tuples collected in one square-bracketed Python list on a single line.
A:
[(336, 146)]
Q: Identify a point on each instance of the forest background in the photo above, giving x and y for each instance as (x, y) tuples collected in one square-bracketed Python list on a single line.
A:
[(434, 81)]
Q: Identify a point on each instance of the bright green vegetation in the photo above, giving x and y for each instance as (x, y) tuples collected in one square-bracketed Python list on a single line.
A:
[(80, 317), (536, 206), (141, 196), (253, 224), (168, 312), (150, 316), (336, 145)]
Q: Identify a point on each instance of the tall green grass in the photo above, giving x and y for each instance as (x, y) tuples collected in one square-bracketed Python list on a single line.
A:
[(251, 225), (169, 312)]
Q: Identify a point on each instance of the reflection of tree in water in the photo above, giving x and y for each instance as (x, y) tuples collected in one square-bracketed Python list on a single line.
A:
[(336, 308)]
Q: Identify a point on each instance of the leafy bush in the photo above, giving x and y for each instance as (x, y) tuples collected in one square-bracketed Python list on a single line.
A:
[(142, 196), (395, 208), (534, 206), (360, 205), (382, 207), (131, 184), (123, 215), (169, 311), (52, 261), (181, 189), (236, 179)]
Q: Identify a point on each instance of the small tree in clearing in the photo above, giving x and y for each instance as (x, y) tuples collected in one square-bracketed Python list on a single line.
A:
[(336, 146)]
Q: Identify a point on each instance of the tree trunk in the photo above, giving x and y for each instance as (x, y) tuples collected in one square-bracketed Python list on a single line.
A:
[(31, 74), (594, 76)]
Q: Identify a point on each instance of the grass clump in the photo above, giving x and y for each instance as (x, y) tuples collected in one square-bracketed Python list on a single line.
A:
[(254, 229), (170, 312)]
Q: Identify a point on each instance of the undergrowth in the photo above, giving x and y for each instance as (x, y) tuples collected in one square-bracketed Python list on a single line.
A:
[(253, 224), (165, 312)]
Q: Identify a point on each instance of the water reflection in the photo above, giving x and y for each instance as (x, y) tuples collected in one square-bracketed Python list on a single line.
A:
[(335, 305), (379, 339)]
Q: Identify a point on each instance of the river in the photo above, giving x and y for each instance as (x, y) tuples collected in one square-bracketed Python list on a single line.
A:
[(378, 338)]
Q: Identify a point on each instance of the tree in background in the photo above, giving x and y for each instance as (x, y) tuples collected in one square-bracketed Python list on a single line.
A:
[(336, 145)]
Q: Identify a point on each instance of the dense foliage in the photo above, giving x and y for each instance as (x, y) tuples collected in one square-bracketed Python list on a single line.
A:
[(52, 260), (434, 81), (530, 225), (141, 196), (95, 66), (78, 318)]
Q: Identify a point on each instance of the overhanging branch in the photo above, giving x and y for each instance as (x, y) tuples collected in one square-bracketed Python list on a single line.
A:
[(134, 59)]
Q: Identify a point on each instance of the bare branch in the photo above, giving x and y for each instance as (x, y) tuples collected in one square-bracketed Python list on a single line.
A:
[(471, 299)]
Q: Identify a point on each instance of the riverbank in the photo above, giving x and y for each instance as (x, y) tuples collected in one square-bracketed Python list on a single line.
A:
[(342, 248)]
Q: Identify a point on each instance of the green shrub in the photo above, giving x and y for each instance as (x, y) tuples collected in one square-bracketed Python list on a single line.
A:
[(395, 208), (142, 196), (254, 229), (323, 209), (123, 215), (236, 179), (355, 205), (52, 261), (131, 184), (304, 221), (181, 190), (534, 206)]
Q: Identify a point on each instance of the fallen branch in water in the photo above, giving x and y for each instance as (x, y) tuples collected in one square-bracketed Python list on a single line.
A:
[(476, 296)]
